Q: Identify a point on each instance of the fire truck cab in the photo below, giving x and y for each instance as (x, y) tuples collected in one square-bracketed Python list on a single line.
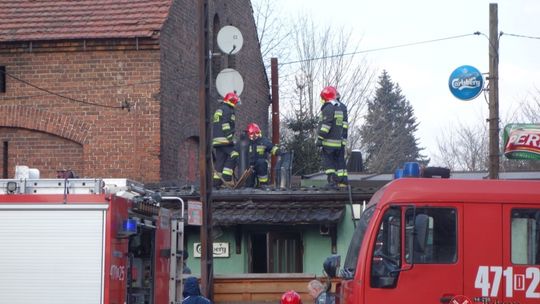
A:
[(87, 241), (445, 241)]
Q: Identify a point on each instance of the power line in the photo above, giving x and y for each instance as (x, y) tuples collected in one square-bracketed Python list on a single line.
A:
[(125, 104), (382, 48), (59, 94), (84, 89), (520, 36)]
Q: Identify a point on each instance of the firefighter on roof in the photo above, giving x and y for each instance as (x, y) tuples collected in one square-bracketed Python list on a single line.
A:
[(259, 148), (223, 134), (330, 136)]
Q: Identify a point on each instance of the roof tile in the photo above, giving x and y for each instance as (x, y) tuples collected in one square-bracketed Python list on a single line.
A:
[(275, 213), (27, 20)]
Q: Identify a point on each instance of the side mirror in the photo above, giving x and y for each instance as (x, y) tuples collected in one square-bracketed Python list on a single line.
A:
[(331, 265), (421, 226)]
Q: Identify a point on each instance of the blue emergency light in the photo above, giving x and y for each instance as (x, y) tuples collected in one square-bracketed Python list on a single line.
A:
[(128, 228), (411, 169)]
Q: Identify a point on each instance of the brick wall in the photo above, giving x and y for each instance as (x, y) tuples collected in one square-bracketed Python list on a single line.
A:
[(158, 138), (112, 142), (248, 62), (180, 112)]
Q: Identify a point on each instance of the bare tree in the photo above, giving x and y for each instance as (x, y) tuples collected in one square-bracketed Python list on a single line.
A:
[(309, 59), (526, 112), (463, 148), (273, 29), (327, 56)]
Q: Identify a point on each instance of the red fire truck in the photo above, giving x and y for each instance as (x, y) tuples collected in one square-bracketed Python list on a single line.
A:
[(445, 241), (88, 241)]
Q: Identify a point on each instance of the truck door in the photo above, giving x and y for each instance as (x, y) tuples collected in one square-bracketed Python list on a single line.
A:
[(483, 252), (408, 269), (521, 264)]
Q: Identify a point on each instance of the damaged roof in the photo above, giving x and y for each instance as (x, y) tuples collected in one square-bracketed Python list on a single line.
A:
[(27, 20), (274, 207), (274, 213)]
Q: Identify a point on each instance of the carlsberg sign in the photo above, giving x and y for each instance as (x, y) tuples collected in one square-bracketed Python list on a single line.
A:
[(466, 82)]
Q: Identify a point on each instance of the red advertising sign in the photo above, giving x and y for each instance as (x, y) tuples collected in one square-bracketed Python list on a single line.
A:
[(522, 141)]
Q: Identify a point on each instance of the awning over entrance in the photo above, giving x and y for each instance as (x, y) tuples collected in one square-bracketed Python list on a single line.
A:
[(273, 213)]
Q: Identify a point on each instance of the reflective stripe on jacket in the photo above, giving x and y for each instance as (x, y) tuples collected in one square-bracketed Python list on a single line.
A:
[(223, 125), (331, 125)]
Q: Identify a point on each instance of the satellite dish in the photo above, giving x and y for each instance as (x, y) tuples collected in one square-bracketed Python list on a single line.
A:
[(229, 40), (229, 80)]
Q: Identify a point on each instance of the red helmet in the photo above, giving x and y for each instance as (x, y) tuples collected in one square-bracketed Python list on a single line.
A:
[(290, 297), (329, 93), (253, 129), (231, 98)]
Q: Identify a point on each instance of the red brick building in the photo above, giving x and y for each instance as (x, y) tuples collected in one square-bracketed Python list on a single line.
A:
[(69, 68)]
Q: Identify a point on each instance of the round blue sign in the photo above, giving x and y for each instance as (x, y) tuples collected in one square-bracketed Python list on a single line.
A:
[(466, 82)]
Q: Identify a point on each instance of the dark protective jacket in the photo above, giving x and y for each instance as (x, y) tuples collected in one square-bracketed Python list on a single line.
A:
[(260, 148), (223, 125), (345, 135), (192, 293), (330, 132)]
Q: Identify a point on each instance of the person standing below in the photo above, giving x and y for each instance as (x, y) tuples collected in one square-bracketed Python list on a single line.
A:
[(290, 297), (223, 128), (192, 292), (318, 292), (330, 134), (343, 176), (185, 267)]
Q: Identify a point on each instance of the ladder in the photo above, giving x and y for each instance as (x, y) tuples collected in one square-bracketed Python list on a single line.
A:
[(176, 279), (52, 186)]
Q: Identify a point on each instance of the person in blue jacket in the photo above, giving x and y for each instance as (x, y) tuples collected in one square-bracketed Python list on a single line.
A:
[(192, 292)]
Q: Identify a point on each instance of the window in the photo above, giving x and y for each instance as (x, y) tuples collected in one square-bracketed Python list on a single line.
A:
[(349, 267), (435, 235), (2, 79), (276, 252), (386, 261), (525, 236)]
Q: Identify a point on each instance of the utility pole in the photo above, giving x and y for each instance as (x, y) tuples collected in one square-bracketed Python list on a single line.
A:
[(493, 92), (275, 111), (205, 164)]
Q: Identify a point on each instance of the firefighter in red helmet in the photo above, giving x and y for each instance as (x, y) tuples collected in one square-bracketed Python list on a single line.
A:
[(290, 297), (330, 135), (259, 148), (223, 128)]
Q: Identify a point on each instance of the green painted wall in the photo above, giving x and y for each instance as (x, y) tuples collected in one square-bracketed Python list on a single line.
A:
[(316, 248), (236, 263)]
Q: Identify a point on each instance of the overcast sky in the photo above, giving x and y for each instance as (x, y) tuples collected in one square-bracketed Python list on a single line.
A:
[(423, 70)]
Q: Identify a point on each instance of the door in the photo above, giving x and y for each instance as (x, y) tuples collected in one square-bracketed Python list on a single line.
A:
[(521, 269), (276, 252), (285, 252), (483, 252), (413, 265)]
